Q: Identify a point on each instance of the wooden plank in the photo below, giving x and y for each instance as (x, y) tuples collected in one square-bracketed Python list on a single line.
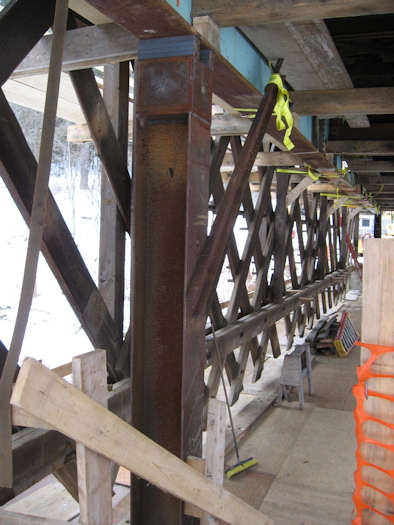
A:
[(275, 158), (18, 169), (199, 465), (112, 231), (377, 327), (295, 192), (241, 331), (374, 166), (248, 12), (94, 470), (30, 92), (46, 396), (320, 51), (336, 102), (35, 18), (104, 137), (16, 518), (84, 47), (361, 147), (215, 445), (37, 225), (204, 279)]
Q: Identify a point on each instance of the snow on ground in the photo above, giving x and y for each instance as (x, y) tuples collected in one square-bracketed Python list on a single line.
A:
[(54, 333)]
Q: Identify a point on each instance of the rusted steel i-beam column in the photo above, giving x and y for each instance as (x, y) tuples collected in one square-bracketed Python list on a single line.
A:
[(169, 224)]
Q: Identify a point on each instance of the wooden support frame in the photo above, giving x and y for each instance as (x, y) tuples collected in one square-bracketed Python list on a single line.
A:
[(94, 471), (377, 328), (134, 451), (37, 226), (35, 17)]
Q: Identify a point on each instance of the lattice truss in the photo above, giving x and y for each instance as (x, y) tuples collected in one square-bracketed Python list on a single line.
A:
[(320, 231), (288, 230)]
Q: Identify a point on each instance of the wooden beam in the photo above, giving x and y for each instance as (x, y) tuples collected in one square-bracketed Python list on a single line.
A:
[(35, 18), (48, 397), (84, 47), (377, 179), (321, 53), (16, 518), (336, 102), (94, 470), (276, 158), (112, 231), (241, 331), (18, 168), (361, 147), (247, 12), (215, 445), (376, 166), (377, 328), (107, 145), (37, 226), (211, 257), (294, 193)]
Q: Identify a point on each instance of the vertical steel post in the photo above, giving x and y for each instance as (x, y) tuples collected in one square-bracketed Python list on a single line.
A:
[(170, 207)]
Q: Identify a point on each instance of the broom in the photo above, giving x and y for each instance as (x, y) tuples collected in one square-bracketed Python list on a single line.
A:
[(240, 466)]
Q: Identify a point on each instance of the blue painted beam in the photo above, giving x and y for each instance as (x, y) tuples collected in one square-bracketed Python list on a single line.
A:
[(243, 56)]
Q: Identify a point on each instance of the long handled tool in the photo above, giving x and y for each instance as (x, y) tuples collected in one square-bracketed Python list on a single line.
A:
[(240, 466)]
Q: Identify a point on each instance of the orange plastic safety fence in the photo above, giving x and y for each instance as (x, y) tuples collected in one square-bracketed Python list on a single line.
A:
[(360, 392)]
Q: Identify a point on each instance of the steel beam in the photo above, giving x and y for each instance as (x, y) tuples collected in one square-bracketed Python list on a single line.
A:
[(170, 210)]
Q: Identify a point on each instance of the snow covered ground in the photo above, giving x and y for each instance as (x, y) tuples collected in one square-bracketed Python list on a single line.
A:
[(54, 334)]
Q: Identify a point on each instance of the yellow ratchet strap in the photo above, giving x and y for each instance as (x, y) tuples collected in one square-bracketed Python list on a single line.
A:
[(313, 174), (282, 110)]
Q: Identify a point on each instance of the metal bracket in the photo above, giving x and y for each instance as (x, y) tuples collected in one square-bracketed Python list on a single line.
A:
[(166, 47)]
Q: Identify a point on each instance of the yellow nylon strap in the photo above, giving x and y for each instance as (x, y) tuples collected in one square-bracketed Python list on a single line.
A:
[(314, 175), (282, 110)]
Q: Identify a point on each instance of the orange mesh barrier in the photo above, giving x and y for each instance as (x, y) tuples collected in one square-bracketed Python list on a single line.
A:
[(360, 392)]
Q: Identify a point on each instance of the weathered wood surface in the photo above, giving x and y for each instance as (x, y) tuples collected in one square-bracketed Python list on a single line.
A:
[(37, 225), (210, 261), (336, 102), (320, 51), (112, 230), (46, 396), (94, 470), (361, 147), (84, 47), (104, 137), (377, 328), (244, 329), (18, 169), (35, 18), (17, 518), (248, 12), (374, 166)]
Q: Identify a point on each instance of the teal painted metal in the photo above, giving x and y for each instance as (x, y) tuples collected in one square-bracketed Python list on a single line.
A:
[(237, 50), (243, 56), (305, 127), (183, 7)]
